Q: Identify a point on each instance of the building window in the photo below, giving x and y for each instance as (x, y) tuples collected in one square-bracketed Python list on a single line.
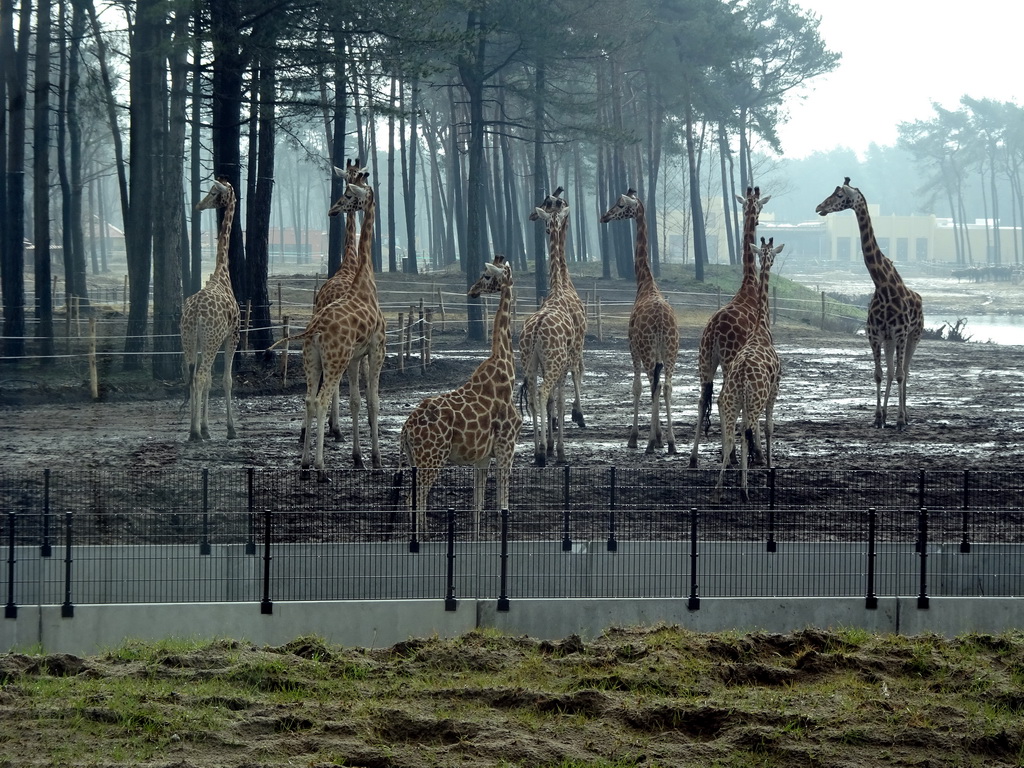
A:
[(843, 249), (921, 248), (902, 249)]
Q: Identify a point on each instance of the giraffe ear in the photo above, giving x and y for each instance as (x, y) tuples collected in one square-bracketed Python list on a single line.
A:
[(741, 199), (765, 199), (221, 189), (340, 173), (493, 269), (778, 249)]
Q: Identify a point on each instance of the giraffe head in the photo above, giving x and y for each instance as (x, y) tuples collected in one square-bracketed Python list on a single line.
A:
[(626, 207), (220, 194), (357, 194), (553, 211), (497, 274), (844, 198), (753, 202), (768, 253), (351, 173)]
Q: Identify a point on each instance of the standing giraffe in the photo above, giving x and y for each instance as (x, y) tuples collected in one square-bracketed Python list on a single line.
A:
[(209, 321), (337, 284), (727, 330), (895, 314), (653, 331), (337, 339), (476, 422), (750, 385), (551, 343)]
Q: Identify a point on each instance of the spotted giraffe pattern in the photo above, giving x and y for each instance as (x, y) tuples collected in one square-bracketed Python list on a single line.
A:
[(209, 321), (727, 330), (551, 342), (475, 423), (337, 339), (750, 386), (653, 330), (895, 314)]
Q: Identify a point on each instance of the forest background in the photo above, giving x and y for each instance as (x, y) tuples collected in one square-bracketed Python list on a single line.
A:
[(466, 113)]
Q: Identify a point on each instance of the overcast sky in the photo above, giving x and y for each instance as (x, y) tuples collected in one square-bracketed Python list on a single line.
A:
[(899, 56)]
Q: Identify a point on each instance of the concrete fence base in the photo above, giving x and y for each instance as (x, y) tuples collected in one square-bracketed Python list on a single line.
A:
[(382, 623)]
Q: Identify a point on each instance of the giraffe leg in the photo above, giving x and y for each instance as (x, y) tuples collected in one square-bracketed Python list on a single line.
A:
[(666, 389), (353, 410), (373, 367), (727, 413), (334, 420), (577, 409), (749, 435), (479, 494), (229, 355), (559, 426), (634, 433), (704, 404), (425, 479), (540, 458), (655, 440), (313, 369), (321, 406), (876, 351), (890, 376), (204, 399), (195, 397), (903, 419)]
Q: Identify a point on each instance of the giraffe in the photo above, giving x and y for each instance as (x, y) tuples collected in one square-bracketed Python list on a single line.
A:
[(551, 342), (653, 331), (750, 385), (209, 321), (727, 330), (476, 422), (338, 283), (895, 313), (339, 336)]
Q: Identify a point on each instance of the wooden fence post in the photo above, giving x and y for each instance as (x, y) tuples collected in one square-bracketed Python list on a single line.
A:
[(428, 322), (401, 342), (600, 330), (440, 304), (823, 310), (94, 380), (284, 356)]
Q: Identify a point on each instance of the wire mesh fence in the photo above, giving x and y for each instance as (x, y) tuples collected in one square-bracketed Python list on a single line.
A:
[(167, 536)]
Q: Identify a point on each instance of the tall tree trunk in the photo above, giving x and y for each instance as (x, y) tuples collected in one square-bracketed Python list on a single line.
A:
[(700, 250), (169, 192), (258, 230), (392, 181), (471, 71), (455, 186), (655, 120), (193, 277), (723, 153), (12, 254), (540, 183), (410, 188), (141, 204), (41, 183), (75, 152)]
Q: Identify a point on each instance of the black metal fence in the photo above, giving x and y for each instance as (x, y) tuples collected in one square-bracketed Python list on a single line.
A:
[(263, 535)]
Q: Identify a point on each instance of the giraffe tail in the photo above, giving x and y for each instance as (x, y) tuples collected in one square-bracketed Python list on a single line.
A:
[(196, 356), (524, 397), (706, 396), (656, 378)]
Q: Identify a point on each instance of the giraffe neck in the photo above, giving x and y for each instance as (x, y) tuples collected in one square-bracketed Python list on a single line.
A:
[(749, 281), (348, 261), (765, 314), (363, 269), (220, 270), (558, 271), (879, 267), (641, 266), (501, 336)]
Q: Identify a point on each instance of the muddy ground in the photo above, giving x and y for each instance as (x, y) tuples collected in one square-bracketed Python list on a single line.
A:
[(964, 403)]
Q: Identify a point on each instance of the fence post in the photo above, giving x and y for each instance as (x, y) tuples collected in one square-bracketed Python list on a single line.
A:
[(450, 603), (67, 610), (693, 603), (94, 376), (414, 542), (823, 310), (428, 336), (871, 600), (250, 544), (284, 353), (45, 549), (772, 545), (920, 489), (204, 542), (503, 604), (10, 610), (401, 342), (266, 605), (922, 540), (613, 545), (965, 544), (566, 539)]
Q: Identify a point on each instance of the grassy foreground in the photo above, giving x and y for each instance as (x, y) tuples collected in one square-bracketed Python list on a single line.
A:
[(653, 697)]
